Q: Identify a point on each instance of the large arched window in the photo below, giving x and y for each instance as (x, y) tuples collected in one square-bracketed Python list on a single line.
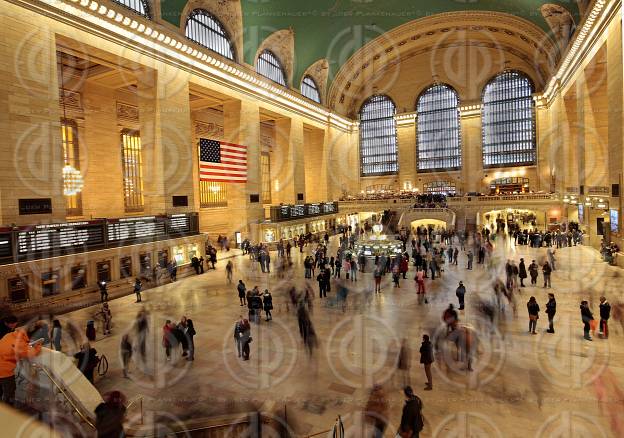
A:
[(509, 121), (309, 89), (206, 30), (270, 67), (139, 6), (438, 130), (378, 140)]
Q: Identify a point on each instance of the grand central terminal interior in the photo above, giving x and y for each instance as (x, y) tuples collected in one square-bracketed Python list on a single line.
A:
[(338, 218)]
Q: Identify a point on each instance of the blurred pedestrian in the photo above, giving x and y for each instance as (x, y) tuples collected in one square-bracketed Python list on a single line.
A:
[(533, 309), (426, 358)]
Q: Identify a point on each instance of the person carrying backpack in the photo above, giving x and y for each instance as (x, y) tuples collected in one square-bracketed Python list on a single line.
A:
[(412, 422)]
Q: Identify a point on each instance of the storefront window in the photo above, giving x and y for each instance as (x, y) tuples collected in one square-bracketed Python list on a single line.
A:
[(178, 254), (103, 272), (50, 283), (18, 289), (192, 251), (125, 267), (78, 277)]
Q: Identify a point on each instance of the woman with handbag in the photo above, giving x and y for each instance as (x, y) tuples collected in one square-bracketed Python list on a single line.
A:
[(533, 309)]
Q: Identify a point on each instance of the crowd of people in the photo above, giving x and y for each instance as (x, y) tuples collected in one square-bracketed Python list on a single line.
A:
[(427, 253)]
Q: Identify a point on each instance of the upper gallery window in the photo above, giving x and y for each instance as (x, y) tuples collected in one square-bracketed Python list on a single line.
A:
[(206, 30), (309, 89), (270, 67), (378, 139), (139, 6), (509, 121), (438, 130)]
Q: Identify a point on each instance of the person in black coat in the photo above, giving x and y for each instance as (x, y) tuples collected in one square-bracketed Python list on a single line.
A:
[(267, 303), (109, 416), (190, 336), (533, 309), (551, 309), (411, 418), (522, 272), (605, 314), (460, 293), (426, 358), (242, 289), (587, 317)]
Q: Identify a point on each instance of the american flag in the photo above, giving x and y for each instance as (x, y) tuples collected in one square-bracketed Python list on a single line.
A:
[(222, 162)]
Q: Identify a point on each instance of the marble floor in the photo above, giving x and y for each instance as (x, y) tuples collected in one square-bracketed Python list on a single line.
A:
[(522, 385)]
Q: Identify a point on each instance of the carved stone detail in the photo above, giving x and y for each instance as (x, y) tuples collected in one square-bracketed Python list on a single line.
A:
[(127, 112), (208, 130)]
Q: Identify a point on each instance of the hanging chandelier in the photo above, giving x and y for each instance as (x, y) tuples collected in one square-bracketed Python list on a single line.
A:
[(72, 180)]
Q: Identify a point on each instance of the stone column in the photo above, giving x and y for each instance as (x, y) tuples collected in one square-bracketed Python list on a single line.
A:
[(241, 125), (30, 144), (472, 161), (406, 136), (288, 165), (615, 85), (166, 141), (315, 164)]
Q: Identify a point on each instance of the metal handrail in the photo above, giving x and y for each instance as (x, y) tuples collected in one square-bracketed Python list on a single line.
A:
[(53, 380), (133, 402)]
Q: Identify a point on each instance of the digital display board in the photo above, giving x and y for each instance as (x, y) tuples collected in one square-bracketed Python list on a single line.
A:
[(6, 248), (614, 215), (297, 211), (282, 213), (57, 239), (135, 228), (51, 240), (178, 224), (313, 209)]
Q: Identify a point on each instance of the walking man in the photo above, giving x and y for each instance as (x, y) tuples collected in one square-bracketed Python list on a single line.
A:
[(426, 358), (551, 309), (137, 289), (411, 418), (460, 293), (605, 314)]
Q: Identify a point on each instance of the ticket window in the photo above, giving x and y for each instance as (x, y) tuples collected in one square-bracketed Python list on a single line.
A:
[(163, 258), (18, 289), (192, 251), (50, 283), (78, 277), (125, 267), (145, 261), (103, 272), (178, 254)]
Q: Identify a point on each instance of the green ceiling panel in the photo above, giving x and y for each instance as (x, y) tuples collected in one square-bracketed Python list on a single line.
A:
[(336, 29)]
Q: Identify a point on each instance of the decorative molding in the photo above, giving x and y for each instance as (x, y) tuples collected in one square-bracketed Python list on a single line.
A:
[(415, 36), (72, 100), (209, 130), (127, 113)]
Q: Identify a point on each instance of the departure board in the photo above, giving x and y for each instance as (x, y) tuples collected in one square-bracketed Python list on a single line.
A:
[(6, 249), (282, 213), (178, 224), (135, 228), (58, 239)]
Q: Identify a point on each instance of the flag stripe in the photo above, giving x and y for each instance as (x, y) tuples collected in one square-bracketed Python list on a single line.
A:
[(222, 162)]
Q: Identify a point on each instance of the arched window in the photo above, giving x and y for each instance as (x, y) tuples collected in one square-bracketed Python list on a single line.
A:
[(438, 130), (270, 67), (509, 121), (309, 89), (378, 141), (141, 7), (206, 30)]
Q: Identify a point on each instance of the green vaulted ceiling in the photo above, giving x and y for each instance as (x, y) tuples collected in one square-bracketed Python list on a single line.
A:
[(336, 29)]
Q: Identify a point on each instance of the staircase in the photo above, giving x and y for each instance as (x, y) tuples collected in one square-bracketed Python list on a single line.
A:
[(52, 385)]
